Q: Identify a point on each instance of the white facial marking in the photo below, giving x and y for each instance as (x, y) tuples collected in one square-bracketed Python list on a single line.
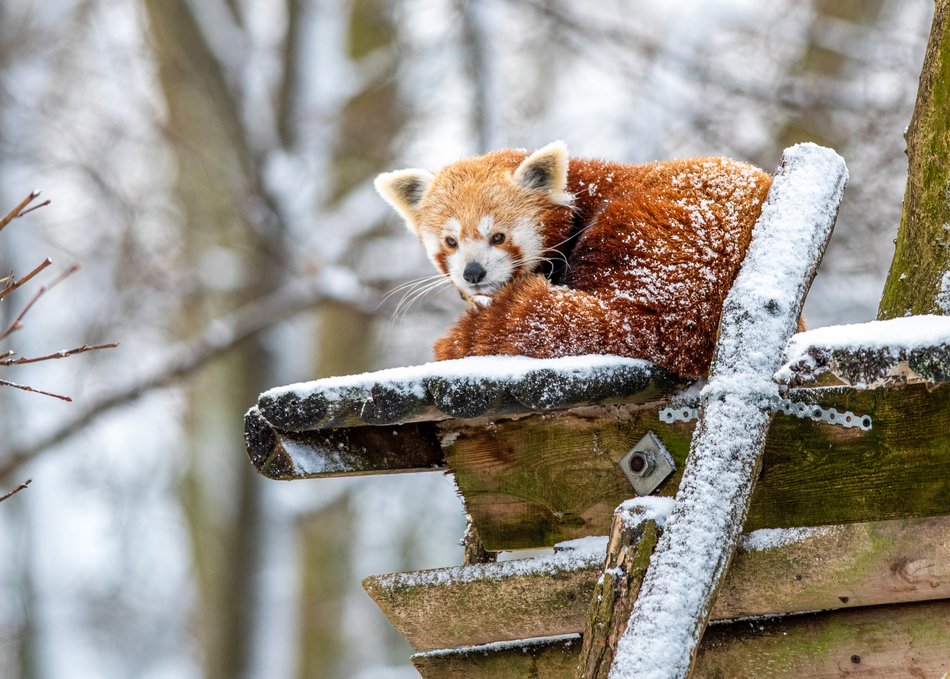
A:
[(453, 227), (486, 225), (528, 239)]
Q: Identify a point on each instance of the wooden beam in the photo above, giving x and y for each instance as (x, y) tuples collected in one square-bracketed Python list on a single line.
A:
[(909, 640), (774, 572), (544, 479), (496, 386), (759, 316)]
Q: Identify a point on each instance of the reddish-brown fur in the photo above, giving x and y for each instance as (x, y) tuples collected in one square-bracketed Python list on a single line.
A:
[(655, 250)]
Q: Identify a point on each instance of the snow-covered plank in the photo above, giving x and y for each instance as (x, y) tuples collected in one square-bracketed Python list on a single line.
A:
[(868, 355), (479, 603), (775, 571), (909, 640), (478, 386), (759, 316)]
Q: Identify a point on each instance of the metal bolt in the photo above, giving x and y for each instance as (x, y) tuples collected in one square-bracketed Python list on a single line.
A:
[(642, 463)]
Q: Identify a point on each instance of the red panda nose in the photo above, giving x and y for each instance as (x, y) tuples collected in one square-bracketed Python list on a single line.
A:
[(474, 273)]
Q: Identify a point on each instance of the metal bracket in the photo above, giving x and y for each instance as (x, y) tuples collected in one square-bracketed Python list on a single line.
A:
[(807, 411), (648, 464)]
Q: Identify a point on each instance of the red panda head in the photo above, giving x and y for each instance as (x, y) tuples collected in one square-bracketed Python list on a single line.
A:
[(481, 220)]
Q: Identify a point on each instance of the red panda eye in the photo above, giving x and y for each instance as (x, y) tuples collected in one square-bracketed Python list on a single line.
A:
[(498, 239), (451, 242)]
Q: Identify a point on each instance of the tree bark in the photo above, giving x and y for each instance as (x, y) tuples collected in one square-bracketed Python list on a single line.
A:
[(919, 279)]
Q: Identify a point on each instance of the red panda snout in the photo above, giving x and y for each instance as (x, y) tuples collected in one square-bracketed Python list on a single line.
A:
[(474, 273)]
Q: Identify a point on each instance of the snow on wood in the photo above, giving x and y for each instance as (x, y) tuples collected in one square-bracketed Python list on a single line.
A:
[(759, 316), (775, 571), (464, 388), (909, 640), (868, 355)]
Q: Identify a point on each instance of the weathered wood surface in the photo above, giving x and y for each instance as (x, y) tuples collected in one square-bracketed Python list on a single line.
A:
[(352, 451), (477, 603), (541, 480), (908, 640), (871, 355), (548, 386), (633, 537), (854, 565)]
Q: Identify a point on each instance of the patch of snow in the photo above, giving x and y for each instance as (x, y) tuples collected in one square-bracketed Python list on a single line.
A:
[(409, 379), (773, 538), (898, 334), (579, 555), (650, 507)]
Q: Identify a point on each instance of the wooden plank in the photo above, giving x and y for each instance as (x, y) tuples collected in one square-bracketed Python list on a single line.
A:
[(908, 640), (547, 386), (547, 658), (497, 386), (341, 452), (543, 479), (759, 316), (853, 565), (871, 354), (474, 604)]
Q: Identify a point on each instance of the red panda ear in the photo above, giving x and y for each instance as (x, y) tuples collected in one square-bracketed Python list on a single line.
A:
[(404, 189), (546, 170)]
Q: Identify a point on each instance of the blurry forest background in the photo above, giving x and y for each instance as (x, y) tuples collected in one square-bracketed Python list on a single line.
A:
[(210, 166)]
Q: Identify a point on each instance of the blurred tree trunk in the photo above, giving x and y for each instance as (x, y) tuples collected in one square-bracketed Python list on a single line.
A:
[(326, 538), (919, 279), (234, 263), (823, 61), (366, 130)]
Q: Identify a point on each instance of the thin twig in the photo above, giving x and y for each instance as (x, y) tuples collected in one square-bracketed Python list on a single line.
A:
[(18, 211), (24, 387), (10, 284), (35, 207), (16, 490), (17, 324), (65, 353)]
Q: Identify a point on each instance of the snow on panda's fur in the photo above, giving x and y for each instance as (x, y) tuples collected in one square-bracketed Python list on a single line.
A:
[(576, 256)]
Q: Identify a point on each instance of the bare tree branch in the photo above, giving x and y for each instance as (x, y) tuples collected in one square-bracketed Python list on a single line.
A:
[(65, 353), (34, 390), (17, 322), (21, 210), (10, 284), (218, 337), (16, 490)]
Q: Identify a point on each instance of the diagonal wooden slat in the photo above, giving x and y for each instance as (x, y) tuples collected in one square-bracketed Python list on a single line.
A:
[(759, 315)]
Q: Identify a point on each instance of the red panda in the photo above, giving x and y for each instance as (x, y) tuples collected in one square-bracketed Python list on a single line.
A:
[(576, 256)]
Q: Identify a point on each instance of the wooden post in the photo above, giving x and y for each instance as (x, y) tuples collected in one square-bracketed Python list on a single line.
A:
[(760, 314), (633, 536)]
